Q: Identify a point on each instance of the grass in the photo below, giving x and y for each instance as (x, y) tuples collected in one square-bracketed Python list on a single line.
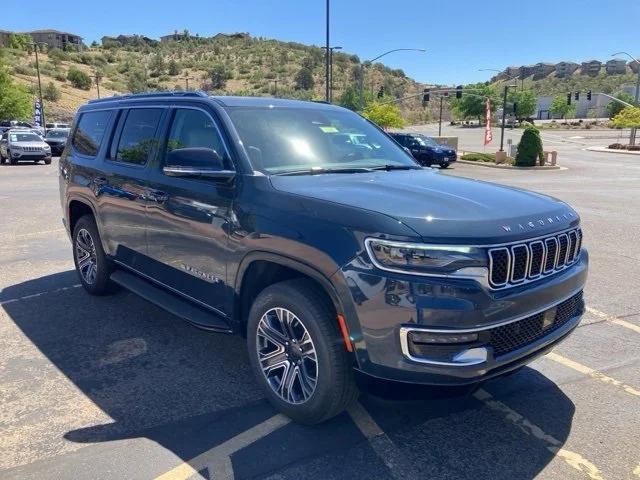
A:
[(484, 157)]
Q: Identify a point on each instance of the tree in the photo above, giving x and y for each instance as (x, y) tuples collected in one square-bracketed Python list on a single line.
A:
[(384, 115), (79, 79), (560, 108), (219, 76), (157, 65), (350, 98), (473, 101), (20, 41), (136, 81), (15, 100), (173, 69), (628, 117), (526, 103), (304, 79), (529, 148), (51, 93), (614, 108)]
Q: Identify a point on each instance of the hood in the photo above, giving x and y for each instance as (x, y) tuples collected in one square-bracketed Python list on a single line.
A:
[(438, 207), (39, 143)]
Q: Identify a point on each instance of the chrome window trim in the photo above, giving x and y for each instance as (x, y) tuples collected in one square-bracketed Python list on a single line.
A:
[(498, 285), (526, 263)]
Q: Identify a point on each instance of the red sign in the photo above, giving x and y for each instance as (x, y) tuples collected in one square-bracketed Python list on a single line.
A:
[(487, 129)]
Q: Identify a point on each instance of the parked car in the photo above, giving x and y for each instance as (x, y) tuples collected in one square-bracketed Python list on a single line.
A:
[(333, 260), (56, 138), (426, 150), (57, 125), (18, 145)]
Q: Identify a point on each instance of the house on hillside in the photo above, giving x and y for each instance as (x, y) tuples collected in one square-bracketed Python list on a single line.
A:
[(616, 66), (542, 70), (176, 36), (592, 67), (565, 69), (239, 35), (125, 40), (57, 39)]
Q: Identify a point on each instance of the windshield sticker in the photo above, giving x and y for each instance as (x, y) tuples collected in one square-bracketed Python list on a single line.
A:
[(329, 129)]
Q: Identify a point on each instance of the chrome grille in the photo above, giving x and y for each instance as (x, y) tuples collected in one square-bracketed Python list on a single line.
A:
[(514, 264), (31, 149)]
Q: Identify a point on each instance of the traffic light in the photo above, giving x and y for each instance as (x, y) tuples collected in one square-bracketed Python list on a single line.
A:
[(569, 98), (459, 91), (577, 97), (446, 94), (589, 95), (381, 92), (425, 96)]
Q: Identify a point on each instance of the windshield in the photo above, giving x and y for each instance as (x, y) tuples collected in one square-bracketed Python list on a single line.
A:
[(56, 134), (426, 141), (280, 140), (24, 137)]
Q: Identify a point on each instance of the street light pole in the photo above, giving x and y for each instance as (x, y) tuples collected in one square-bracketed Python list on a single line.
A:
[(327, 61), (373, 60), (632, 137), (440, 121), (331, 49), (504, 113)]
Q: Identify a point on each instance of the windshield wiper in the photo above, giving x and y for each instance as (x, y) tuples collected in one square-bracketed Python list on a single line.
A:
[(321, 170), (389, 167)]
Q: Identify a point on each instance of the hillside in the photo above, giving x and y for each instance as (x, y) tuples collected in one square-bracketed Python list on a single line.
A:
[(225, 64)]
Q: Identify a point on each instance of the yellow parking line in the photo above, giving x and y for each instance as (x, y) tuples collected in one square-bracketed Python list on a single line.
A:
[(218, 459), (592, 373), (574, 460), (612, 319)]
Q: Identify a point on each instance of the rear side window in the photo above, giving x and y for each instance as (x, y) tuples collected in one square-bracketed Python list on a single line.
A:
[(90, 132), (138, 137)]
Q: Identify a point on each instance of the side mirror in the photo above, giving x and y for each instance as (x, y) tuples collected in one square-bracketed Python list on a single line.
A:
[(196, 162)]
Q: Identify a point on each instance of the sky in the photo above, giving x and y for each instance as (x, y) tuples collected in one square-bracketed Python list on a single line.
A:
[(460, 36)]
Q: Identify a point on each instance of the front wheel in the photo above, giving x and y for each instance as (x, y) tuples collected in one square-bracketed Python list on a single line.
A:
[(297, 353), (444, 165), (92, 264), (47, 161)]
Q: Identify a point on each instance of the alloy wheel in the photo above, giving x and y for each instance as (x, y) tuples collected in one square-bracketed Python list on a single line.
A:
[(86, 256), (287, 355)]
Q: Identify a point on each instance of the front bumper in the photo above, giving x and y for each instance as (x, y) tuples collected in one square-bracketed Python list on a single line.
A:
[(390, 307), (26, 156)]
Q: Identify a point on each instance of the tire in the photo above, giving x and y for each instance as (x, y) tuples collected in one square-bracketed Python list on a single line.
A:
[(12, 160), (47, 161), (444, 165), (330, 387), (86, 241)]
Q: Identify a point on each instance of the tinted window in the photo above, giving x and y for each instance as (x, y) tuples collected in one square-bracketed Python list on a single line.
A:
[(137, 139), (89, 132), (194, 128), (24, 137)]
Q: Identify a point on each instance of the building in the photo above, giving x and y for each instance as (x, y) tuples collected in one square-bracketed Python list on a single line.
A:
[(57, 39), (542, 70), (565, 69), (175, 36), (592, 67), (616, 66), (594, 108)]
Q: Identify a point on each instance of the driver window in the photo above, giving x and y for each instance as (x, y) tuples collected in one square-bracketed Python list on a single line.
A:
[(194, 128)]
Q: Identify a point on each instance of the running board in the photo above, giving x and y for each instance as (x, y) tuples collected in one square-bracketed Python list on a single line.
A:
[(170, 302)]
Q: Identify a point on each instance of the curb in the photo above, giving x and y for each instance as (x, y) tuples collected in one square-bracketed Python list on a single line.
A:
[(510, 167), (612, 150)]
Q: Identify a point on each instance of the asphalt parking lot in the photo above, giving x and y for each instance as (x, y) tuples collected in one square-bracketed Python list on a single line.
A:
[(112, 387)]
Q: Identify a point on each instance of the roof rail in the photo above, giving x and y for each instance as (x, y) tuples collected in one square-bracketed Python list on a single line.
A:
[(174, 93)]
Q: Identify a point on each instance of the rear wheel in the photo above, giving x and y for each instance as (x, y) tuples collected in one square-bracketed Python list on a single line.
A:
[(297, 353), (92, 265)]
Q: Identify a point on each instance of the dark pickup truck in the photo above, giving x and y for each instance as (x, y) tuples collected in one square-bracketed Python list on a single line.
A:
[(306, 229)]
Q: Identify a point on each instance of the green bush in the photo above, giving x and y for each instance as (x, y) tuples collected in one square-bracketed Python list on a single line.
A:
[(51, 93), (529, 148), (79, 79), (479, 157)]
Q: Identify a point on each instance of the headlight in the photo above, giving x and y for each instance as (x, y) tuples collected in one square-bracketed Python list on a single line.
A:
[(424, 259), (47, 147)]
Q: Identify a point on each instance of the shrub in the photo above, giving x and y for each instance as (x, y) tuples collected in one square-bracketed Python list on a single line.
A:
[(79, 79), (51, 92), (634, 148), (529, 148), (25, 70), (56, 55), (478, 157), (60, 76), (617, 146), (219, 76), (304, 79)]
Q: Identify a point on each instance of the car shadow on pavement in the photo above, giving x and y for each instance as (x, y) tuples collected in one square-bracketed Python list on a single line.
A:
[(159, 378)]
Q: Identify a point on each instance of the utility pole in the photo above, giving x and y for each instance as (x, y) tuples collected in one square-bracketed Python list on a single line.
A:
[(97, 77), (35, 48), (440, 121), (186, 79), (632, 137), (275, 85), (504, 113), (327, 79)]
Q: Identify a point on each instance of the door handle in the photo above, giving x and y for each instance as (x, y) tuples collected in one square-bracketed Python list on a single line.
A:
[(157, 196)]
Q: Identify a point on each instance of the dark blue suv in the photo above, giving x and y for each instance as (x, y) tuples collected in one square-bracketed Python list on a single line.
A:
[(306, 229), (426, 150)]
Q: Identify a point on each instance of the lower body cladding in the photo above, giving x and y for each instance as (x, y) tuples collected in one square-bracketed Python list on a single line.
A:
[(442, 331)]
